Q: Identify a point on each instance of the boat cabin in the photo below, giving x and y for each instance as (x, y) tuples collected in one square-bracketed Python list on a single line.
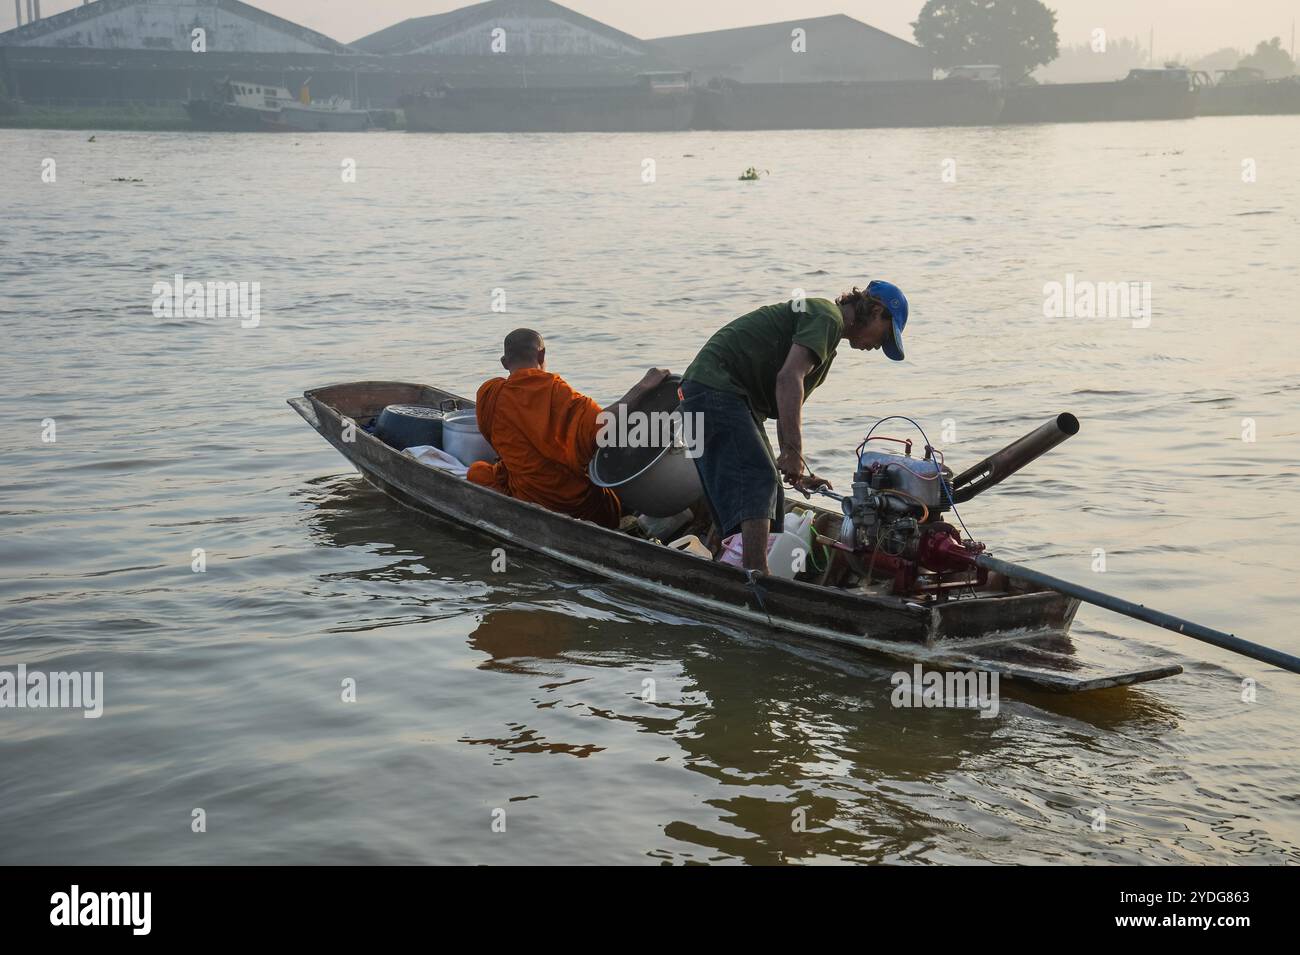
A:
[(665, 81), (981, 72), (256, 96)]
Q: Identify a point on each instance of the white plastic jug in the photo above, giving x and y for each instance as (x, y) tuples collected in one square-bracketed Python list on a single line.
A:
[(692, 545), (787, 552), (800, 523)]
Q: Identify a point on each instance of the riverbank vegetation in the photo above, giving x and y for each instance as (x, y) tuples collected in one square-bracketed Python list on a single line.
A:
[(154, 118)]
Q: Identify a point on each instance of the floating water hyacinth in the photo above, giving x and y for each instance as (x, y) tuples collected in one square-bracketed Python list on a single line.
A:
[(751, 174)]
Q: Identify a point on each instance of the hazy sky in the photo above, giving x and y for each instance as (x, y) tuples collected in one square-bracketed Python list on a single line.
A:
[(1190, 27)]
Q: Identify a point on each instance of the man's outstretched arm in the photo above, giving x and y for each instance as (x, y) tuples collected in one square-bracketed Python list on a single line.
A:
[(789, 409)]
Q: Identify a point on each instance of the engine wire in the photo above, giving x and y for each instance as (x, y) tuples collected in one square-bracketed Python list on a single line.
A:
[(943, 484)]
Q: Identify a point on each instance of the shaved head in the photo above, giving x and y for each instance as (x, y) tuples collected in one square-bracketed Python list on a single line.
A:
[(524, 348)]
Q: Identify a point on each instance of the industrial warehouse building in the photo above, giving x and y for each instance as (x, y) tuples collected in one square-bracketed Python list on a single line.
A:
[(141, 51), (231, 27), (122, 51), (813, 50)]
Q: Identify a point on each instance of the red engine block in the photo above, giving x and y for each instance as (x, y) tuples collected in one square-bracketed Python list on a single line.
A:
[(940, 551)]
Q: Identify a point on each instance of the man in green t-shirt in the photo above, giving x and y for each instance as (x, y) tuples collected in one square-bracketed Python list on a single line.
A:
[(764, 365)]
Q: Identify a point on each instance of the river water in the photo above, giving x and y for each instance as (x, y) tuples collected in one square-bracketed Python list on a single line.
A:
[(522, 691)]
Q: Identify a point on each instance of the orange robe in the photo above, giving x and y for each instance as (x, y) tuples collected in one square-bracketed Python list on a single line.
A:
[(545, 433)]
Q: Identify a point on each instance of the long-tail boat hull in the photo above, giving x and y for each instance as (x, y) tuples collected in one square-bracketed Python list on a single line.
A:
[(1018, 631)]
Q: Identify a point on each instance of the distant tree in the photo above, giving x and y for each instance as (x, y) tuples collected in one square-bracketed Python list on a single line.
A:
[(1271, 58), (1222, 59), (1018, 35), (1083, 64)]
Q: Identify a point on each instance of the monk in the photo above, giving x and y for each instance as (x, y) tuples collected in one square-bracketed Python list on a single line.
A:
[(545, 433)]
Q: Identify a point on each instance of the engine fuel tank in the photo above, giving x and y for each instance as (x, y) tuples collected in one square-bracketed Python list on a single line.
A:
[(919, 478)]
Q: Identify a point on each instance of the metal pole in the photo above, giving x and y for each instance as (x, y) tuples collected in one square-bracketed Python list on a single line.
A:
[(38, 8), (18, 12), (1138, 612)]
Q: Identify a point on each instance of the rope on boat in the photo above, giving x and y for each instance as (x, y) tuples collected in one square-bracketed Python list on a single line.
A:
[(751, 582)]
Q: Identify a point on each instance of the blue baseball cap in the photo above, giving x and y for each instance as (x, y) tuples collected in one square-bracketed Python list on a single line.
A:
[(896, 302)]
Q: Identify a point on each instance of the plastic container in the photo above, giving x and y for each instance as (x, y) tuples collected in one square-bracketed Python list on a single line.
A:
[(462, 440), (692, 545), (665, 528), (800, 523), (409, 426), (732, 552), (787, 552)]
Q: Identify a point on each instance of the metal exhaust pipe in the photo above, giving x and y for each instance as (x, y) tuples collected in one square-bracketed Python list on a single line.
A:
[(1000, 465)]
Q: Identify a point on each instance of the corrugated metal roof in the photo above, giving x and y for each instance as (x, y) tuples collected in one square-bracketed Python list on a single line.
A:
[(736, 43), (20, 36), (417, 32)]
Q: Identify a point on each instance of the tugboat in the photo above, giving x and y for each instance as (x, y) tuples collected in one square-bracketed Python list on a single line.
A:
[(333, 115), (239, 106)]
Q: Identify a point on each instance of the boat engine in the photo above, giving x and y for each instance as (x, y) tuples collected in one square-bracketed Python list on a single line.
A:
[(893, 524)]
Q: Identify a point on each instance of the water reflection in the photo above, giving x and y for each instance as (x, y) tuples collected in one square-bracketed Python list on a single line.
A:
[(795, 747)]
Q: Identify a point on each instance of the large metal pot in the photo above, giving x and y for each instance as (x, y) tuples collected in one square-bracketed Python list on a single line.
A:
[(658, 480), (406, 426), (462, 440)]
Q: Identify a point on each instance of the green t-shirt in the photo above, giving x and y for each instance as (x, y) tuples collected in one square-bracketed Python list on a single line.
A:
[(744, 356)]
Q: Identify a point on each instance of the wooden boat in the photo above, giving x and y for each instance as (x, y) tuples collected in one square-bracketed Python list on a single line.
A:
[(1010, 626)]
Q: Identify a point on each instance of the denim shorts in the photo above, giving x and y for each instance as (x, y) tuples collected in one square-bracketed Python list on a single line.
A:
[(736, 465)]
